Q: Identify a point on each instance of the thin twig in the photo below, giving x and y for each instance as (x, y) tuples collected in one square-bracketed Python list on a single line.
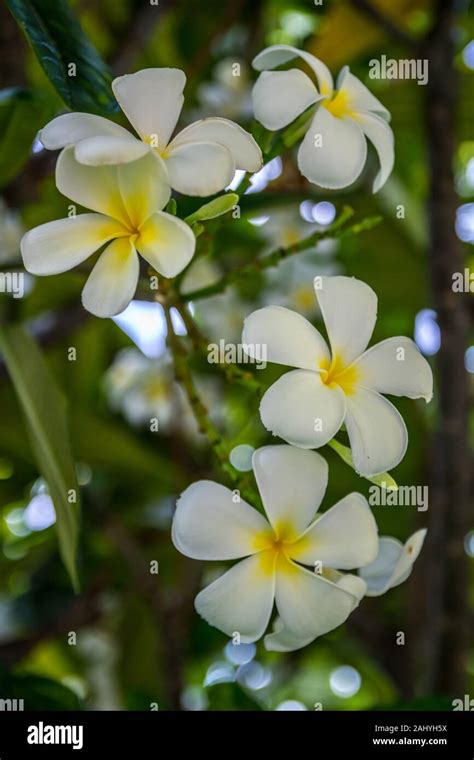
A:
[(201, 344), (206, 426), (335, 230)]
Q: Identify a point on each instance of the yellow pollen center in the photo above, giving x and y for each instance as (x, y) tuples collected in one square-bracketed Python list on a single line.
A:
[(339, 106), (335, 372), (273, 545)]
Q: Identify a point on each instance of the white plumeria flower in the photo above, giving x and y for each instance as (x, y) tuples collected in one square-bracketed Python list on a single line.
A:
[(393, 563), (200, 160), (127, 200), (340, 386), (142, 388), (334, 150), (211, 524)]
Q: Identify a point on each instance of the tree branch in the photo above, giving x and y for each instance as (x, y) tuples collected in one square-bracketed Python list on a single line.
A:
[(335, 230), (443, 641)]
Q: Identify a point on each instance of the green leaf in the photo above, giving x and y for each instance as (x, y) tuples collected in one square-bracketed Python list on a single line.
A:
[(22, 114), (217, 207), (58, 40), (38, 692), (105, 444), (384, 480), (44, 408), (231, 696), (172, 207)]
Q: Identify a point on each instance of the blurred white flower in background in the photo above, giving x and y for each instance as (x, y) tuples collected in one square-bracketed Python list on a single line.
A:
[(292, 286), (144, 390), (222, 316), (228, 93)]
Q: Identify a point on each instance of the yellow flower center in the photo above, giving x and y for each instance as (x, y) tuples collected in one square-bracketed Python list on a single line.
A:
[(339, 105), (152, 141), (303, 297), (335, 373), (273, 544), (156, 389), (290, 235)]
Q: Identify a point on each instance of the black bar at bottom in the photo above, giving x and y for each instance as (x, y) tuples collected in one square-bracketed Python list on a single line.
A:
[(137, 734)]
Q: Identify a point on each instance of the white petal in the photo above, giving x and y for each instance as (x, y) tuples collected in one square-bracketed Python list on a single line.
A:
[(167, 243), (377, 432), (302, 410), (349, 309), (333, 152), (308, 604), (57, 246), (353, 584), (69, 128), (240, 601), (144, 187), (113, 281), (408, 557), (378, 573), (152, 100), (284, 640), (209, 524), (393, 563), (245, 151), (344, 537), (95, 151), (129, 192), (381, 137), (279, 97), (359, 96), (275, 55), (396, 366), (288, 338), (94, 187), (200, 168), (292, 483)]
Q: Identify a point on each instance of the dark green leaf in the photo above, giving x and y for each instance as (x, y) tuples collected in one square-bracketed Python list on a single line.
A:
[(37, 692), (58, 40), (22, 114), (44, 409), (106, 444)]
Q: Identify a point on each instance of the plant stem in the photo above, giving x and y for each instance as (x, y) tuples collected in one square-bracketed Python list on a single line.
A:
[(201, 344), (335, 230), (201, 414)]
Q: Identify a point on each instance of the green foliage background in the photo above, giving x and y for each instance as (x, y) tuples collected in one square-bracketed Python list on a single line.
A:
[(139, 641)]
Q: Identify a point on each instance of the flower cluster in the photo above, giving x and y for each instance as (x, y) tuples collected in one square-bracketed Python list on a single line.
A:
[(127, 182), (314, 568)]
